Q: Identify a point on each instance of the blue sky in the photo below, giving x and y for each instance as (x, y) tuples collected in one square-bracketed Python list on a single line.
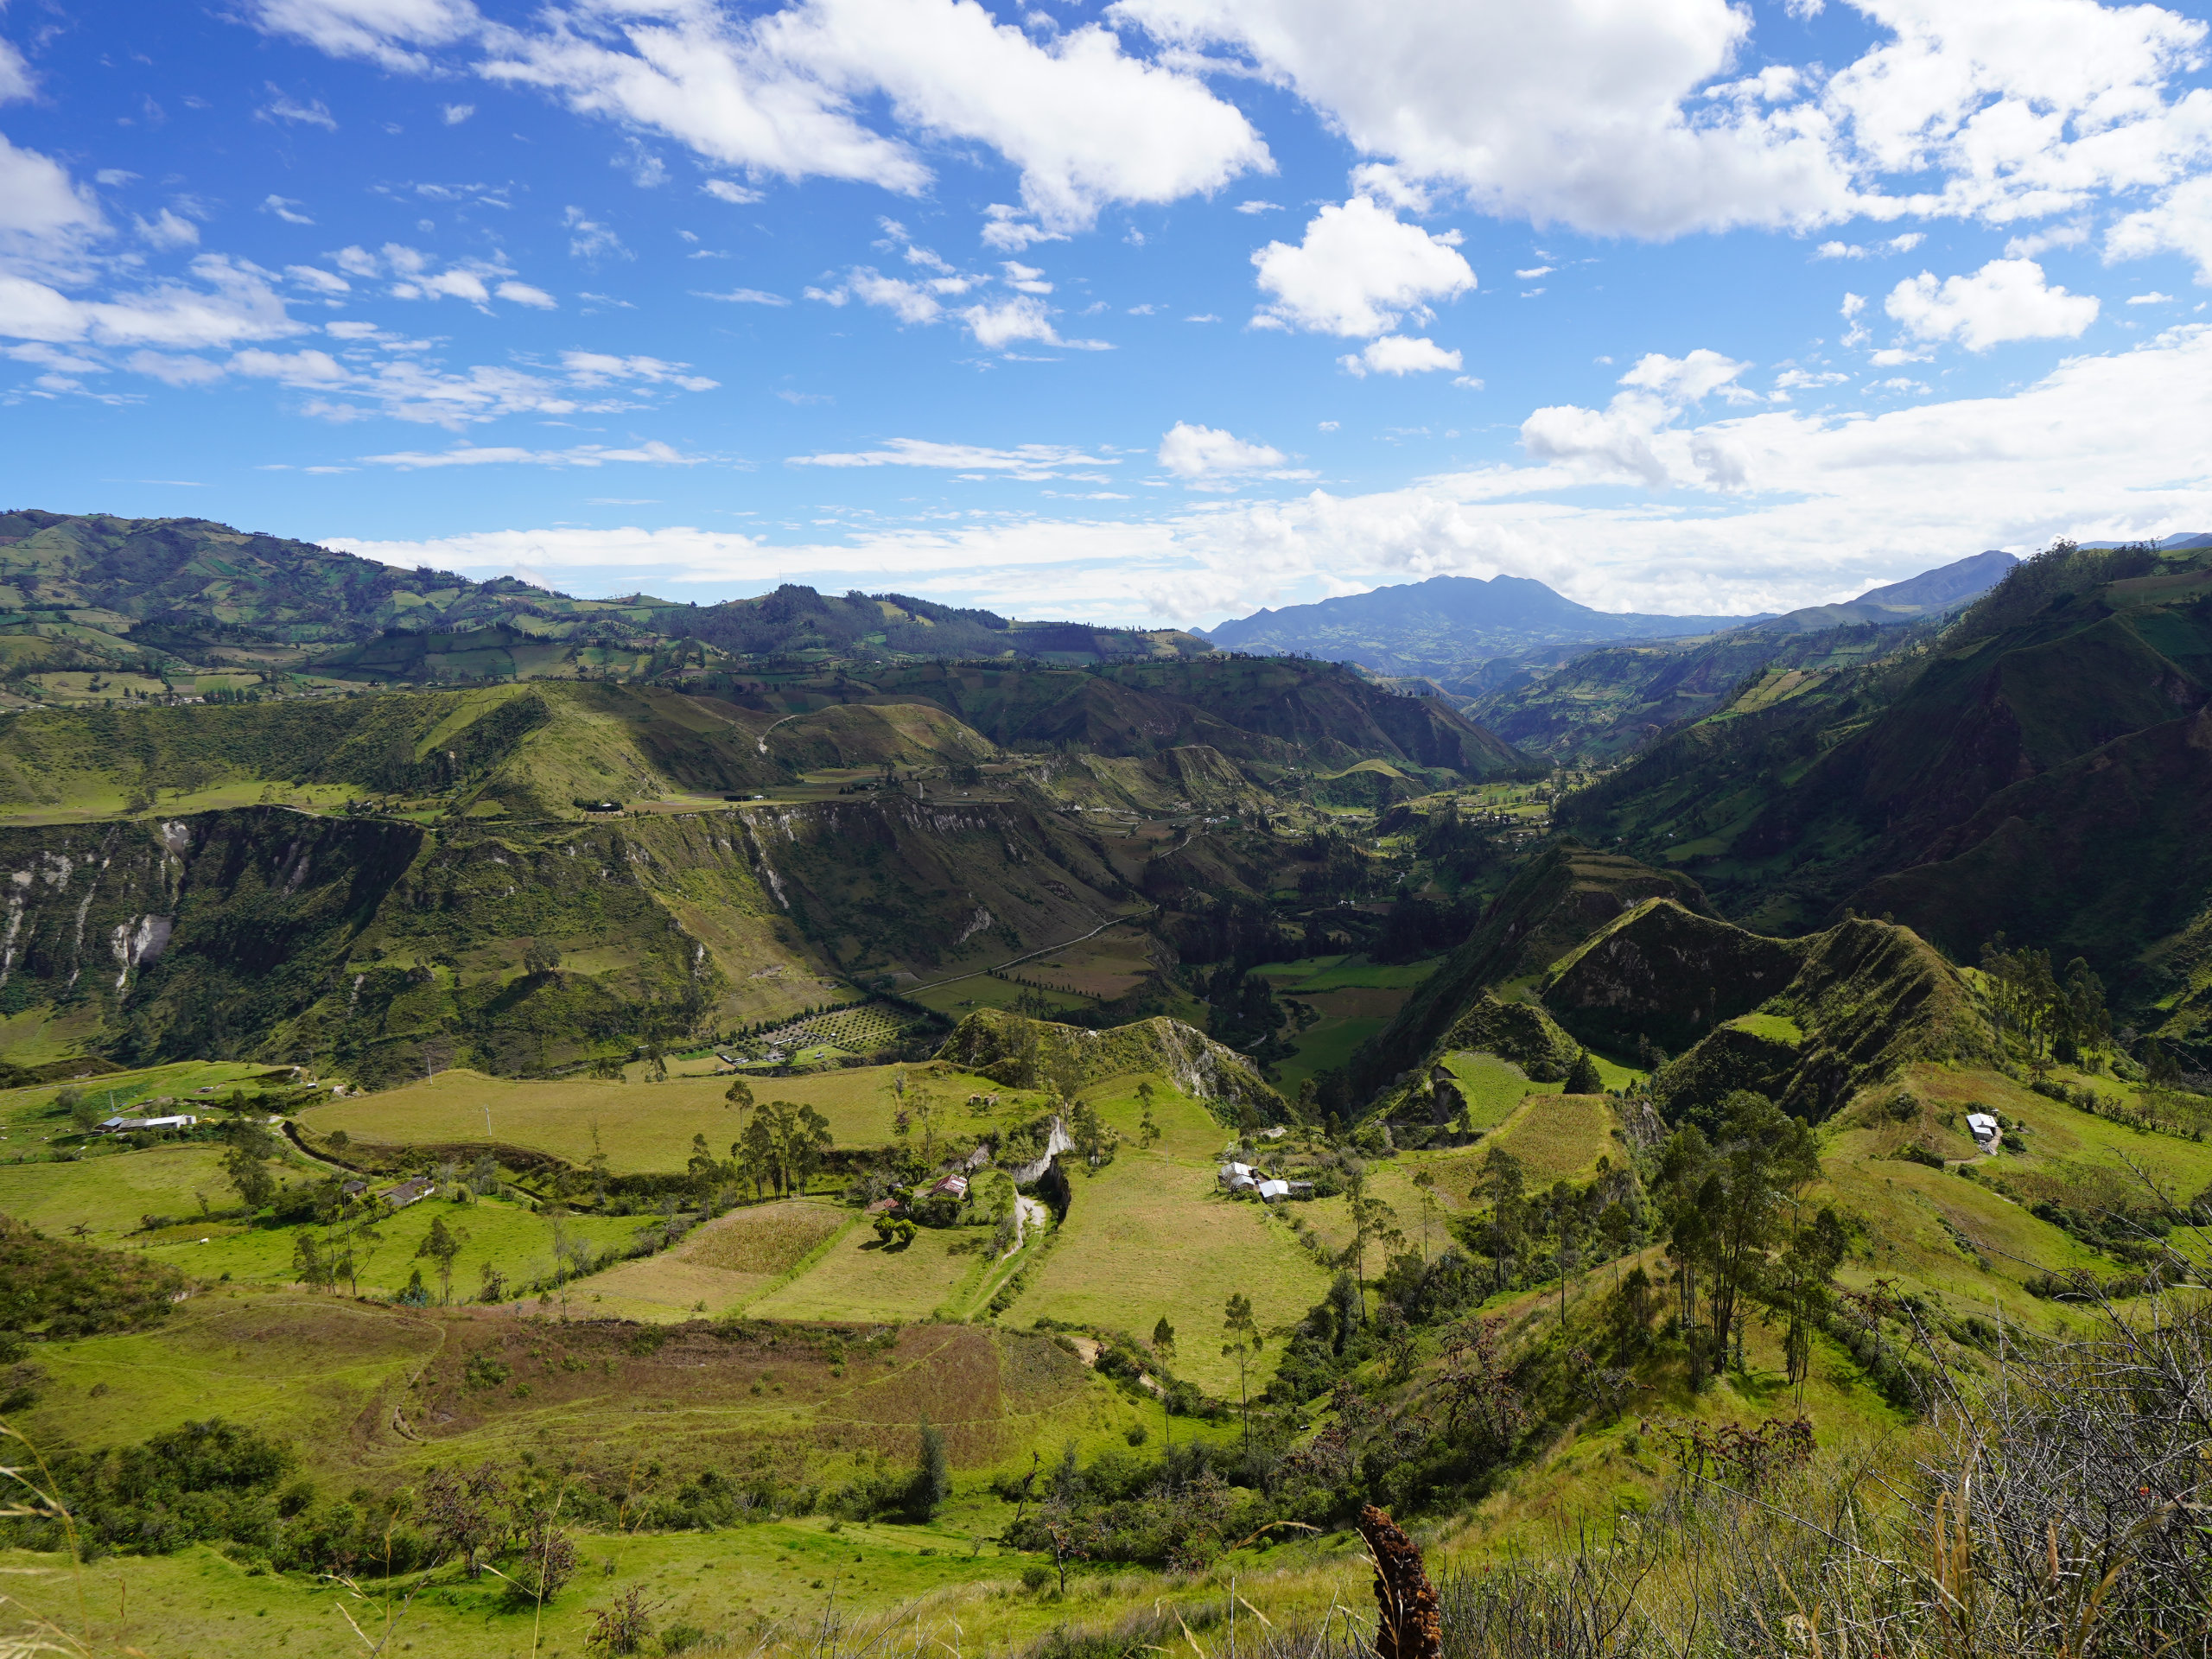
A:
[(1158, 311)]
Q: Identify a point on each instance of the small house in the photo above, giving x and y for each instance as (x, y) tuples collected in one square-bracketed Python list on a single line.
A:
[(1300, 1188), (1231, 1174), (951, 1187), (125, 1125), (881, 1207), (1987, 1134), (410, 1191), (1272, 1191), (976, 1159)]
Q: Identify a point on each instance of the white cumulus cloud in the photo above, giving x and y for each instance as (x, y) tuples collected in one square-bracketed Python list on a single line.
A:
[(653, 453), (2005, 300), (783, 92), (1358, 270), (1207, 457), (1397, 355)]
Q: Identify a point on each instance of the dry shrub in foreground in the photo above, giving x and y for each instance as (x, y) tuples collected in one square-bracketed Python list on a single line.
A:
[(2055, 1505)]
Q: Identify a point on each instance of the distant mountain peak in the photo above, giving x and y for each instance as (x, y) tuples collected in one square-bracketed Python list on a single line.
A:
[(1432, 626)]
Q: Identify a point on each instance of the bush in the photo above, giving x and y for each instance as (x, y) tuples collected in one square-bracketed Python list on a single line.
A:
[(67, 1289)]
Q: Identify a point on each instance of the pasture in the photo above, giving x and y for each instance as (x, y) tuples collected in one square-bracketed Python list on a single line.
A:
[(1354, 998), (723, 1266), (372, 1394), (859, 1278), (195, 1085), (1493, 1088), (1150, 1235), (647, 1127)]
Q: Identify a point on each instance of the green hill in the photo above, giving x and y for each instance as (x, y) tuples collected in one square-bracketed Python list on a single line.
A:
[(2035, 771)]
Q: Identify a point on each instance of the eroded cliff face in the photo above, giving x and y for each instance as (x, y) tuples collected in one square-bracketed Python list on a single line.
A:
[(151, 938), (371, 947)]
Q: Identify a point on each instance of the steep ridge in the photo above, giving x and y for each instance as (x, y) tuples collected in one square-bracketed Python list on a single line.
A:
[(1551, 905), (2036, 771), (1664, 974), (1809, 1022), (91, 589), (1605, 703), (528, 749), (1025, 1053), (2090, 858), (902, 888), (876, 735), (1264, 712), (1931, 593)]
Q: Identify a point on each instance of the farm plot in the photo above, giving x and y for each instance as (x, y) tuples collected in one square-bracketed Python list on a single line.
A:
[(722, 1266), (1556, 1137), (648, 1127), (860, 1278), (1492, 1087), (1149, 1235), (869, 1028)]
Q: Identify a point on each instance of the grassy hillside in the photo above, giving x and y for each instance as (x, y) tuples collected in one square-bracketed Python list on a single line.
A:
[(2031, 773)]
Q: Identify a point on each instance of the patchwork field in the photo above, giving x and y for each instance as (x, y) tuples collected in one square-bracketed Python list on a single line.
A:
[(1556, 1137), (377, 1394), (1111, 965), (1354, 999), (643, 1127), (965, 994)]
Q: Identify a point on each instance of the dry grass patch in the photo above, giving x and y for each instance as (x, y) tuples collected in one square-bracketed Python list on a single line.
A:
[(1559, 1137), (860, 1278), (722, 1266), (768, 1239)]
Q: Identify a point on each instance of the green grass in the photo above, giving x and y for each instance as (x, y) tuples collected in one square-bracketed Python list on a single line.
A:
[(722, 1266), (859, 1279), (964, 995), (502, 1234), (1329, 1043), (1149, 1235), (110, 1192), (643, 1127), (1493, 1087), (1774, 1027), (33, 1109), (1342, 972), (302, 1366)]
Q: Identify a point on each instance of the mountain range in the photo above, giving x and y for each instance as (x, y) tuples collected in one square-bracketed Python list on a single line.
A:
[(89, 593), (1471, 635)]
